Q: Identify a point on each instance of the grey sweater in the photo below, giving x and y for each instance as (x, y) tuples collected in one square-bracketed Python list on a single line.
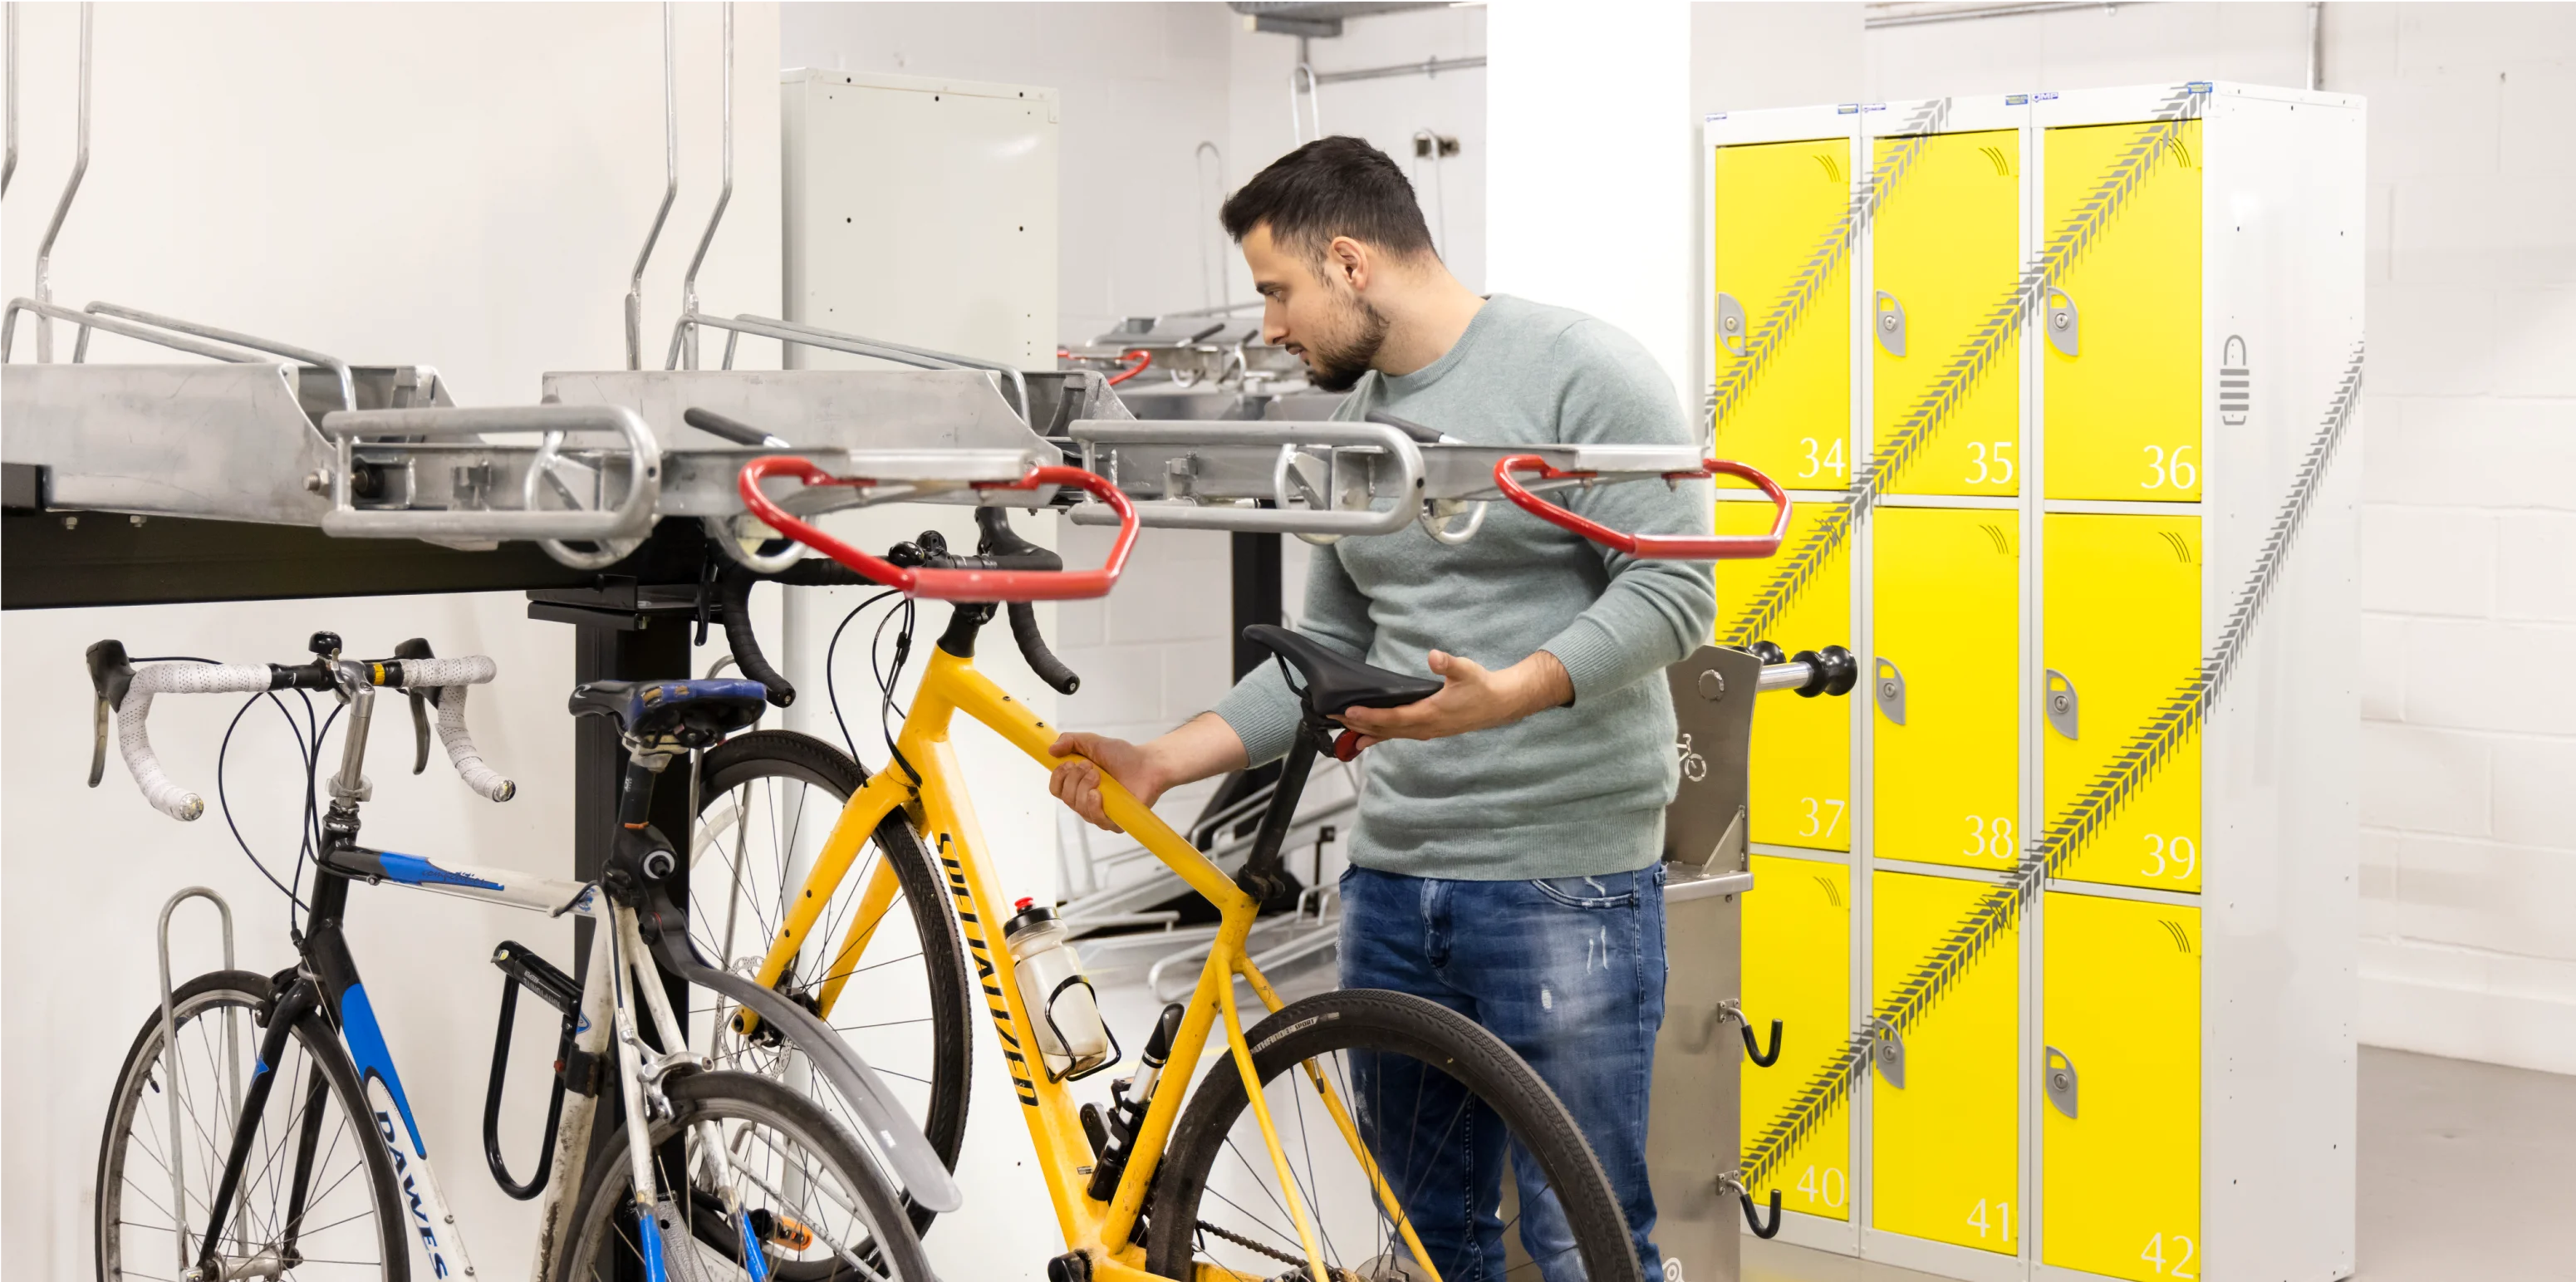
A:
[(1572, 791)]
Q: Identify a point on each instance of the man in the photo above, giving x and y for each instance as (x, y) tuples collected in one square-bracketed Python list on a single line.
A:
[(1506, 862)]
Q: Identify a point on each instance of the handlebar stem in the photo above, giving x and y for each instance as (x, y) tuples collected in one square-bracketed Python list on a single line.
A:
[(350, 785)]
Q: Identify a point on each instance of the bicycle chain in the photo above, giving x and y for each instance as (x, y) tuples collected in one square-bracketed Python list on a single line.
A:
[(1250, 1245)]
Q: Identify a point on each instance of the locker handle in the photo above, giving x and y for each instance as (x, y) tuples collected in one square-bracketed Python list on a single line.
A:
[(1888, 687), (1888, 1050), (1733, 329), (1890, 324), (2062, 703), (2061, 321), (1652, 547), (2060, 1081)]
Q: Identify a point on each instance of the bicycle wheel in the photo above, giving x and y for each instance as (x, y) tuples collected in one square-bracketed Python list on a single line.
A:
[(1436, 1102), (766, 802), (814, 1200), (317, 1196)]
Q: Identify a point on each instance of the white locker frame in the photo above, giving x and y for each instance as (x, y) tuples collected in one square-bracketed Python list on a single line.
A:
[(2281, 267)]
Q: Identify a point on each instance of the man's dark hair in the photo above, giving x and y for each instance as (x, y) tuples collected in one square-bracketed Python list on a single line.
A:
[(1337, 186)]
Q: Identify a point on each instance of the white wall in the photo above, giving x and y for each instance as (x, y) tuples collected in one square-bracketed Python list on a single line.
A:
[(1387, 112), (456, 185), (1142, 85), (1591, 187)]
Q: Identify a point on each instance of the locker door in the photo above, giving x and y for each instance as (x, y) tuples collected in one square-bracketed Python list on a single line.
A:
[(1945, 759), (1797, 969), (1783, 373), (1946, 251), (2121, 323), (2121, 637), (1944, 1146), (1800, 788), (2120, 1125)]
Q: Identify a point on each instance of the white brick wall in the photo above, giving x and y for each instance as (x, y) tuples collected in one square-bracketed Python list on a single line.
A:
[(2468, 525)]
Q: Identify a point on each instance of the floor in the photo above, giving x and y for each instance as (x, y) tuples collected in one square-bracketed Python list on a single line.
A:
[(2468, 1171)]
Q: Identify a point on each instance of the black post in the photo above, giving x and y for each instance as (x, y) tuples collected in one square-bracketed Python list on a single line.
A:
[(1257, 595)]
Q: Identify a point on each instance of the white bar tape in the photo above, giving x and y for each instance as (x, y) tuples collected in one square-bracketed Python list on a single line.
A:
[(451, 677), (136, 747), (461, 752)]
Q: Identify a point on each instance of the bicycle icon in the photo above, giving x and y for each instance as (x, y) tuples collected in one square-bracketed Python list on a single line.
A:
[(1694, 766)]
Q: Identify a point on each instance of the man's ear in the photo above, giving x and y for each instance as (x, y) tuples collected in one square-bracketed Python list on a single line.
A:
[(1350, 260)]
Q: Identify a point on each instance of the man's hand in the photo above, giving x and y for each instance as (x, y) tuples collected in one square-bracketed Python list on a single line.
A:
[(1474, 698), (1203, 746)]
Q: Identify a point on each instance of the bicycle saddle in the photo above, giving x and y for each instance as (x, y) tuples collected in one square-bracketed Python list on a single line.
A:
[(654, 709), (1335, 682)]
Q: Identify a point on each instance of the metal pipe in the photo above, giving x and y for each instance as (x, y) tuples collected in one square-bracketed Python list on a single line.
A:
[(10, 165), (670, 192), (2316, 45), (1971, 13), (1314, 112), (339, 368), (1212, 285), (90, 320), (1427, 67), (724, 196), (80, 167), (787, 332)]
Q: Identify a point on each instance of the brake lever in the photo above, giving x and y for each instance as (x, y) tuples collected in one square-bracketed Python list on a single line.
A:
[(111, 674), (418, 648)]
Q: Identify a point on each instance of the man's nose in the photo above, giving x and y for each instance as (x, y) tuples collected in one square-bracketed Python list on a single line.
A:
[(1274, 324)]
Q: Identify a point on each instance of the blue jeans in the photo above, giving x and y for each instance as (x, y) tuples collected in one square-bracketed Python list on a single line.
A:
[(1569, 972)]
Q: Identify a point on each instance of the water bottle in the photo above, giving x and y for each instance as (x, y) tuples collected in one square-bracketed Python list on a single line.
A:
[(1072, 1039)]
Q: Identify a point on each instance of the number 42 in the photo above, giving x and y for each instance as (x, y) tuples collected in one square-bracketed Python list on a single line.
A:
[(2155, 1254)]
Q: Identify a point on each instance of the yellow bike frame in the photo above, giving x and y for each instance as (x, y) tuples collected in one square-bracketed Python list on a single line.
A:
[(925, 781)]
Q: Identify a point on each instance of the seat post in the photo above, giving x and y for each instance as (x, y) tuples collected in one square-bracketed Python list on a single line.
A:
[(1260, 875)]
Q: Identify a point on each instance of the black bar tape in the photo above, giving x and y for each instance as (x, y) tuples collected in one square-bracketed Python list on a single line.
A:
[(733, 606), (1033, 647)]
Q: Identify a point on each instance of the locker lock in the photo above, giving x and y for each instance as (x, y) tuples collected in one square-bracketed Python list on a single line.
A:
[(2062, 703), (2061, 322), (2061, 1082), (1887, 1050), (1732, 329), (1890, 327), (1888, 685)]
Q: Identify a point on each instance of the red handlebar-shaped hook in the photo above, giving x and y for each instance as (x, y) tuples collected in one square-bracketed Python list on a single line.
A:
[(1658, 547), (950, 584)]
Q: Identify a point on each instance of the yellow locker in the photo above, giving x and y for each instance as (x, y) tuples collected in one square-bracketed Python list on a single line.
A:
[(1800, 792), (1945, 773), (1783, 326), (2120, 638), (1944, 1145), (2120, 1080), (2121, 320), (1946, 253), (1797, 969)]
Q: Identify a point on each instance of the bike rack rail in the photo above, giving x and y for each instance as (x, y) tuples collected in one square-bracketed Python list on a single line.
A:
[(170, 1050)]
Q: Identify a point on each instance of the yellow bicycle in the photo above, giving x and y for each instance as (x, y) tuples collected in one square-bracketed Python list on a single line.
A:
[(1348, 1135)]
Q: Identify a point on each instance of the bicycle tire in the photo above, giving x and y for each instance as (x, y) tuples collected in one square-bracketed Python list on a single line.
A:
[(786, 755), (1376, 1020), (699, 1098), (131, 1100)]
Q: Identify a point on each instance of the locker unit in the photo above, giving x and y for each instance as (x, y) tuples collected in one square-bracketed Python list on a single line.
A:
[(1800, 793), (2100, 360), (1784, 402), (1797, 969), (1945, 1138)]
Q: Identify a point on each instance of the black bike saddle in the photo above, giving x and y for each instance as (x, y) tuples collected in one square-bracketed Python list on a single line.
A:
[(1335, 682), (710, 709)]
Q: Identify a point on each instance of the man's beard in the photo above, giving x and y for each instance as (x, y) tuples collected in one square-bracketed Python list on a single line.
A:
[(1337, 367)]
